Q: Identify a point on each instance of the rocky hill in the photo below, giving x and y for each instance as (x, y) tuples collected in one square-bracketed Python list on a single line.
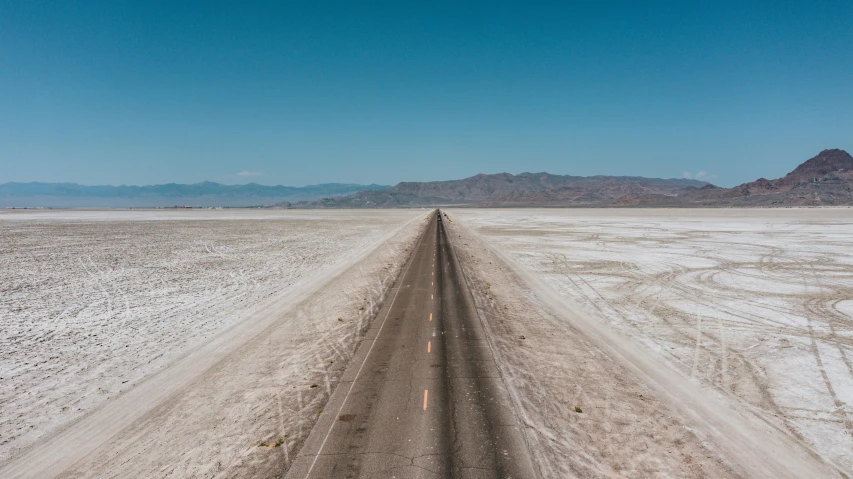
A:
[(824, 180), (828, 161)]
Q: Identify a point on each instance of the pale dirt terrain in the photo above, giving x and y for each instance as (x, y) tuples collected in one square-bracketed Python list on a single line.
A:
[(168, 344), (697, 343)]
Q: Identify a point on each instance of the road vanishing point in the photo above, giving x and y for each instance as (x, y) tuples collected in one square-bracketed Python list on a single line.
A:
[(422, 397)]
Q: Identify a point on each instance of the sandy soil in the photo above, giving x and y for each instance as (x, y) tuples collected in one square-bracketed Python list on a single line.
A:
[(100, 307), (749, 309)]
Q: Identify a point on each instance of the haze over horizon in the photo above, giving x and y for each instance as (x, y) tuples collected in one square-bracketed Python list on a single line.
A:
[(140, 94)]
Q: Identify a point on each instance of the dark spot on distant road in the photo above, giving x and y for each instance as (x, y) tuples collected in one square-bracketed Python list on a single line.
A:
[(346, 417)]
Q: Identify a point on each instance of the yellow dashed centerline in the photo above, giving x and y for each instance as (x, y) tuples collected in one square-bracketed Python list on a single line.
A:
[(430, 316), (429, 346), (426, 394)]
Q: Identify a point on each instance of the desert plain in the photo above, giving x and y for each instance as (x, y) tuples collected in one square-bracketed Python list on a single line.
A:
[(107, 315), (633, 342), (752, 306)]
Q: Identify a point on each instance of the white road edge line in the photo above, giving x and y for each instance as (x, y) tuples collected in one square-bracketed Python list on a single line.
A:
[(363, 362)]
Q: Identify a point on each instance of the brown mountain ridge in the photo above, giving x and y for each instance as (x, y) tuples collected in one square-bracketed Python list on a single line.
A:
[(823, 180)]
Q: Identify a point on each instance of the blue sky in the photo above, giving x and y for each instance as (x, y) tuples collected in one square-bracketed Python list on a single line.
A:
[(152, 92)]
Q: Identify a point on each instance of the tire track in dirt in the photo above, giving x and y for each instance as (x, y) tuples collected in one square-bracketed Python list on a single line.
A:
[(839, 405)]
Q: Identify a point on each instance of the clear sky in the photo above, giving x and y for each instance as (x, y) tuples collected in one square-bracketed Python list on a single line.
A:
[(121, 92)]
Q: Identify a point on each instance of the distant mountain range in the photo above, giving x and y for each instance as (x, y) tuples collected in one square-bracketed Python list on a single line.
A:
[(65, 195), (504, 189), (823, 180)]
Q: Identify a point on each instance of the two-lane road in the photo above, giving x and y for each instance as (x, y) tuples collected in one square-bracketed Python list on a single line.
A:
[(422, 396)]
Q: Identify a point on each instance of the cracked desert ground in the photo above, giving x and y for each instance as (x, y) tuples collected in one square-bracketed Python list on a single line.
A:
[(753, 306), (94, 303), (237, 326)]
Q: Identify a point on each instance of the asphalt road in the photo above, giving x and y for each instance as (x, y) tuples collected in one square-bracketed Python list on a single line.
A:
[(422, 397)]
